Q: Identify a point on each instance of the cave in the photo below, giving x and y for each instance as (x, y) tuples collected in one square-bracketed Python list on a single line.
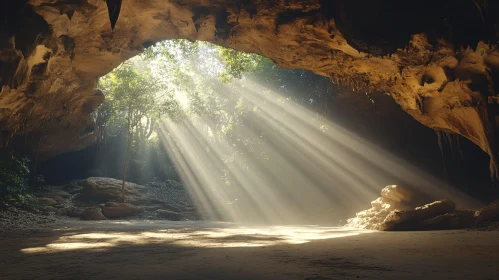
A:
[(245, 139)]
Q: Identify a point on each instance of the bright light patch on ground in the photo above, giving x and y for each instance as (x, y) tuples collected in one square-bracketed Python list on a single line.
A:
[(196, 237)]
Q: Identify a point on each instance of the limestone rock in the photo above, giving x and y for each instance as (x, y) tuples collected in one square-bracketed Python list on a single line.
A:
[(488, 213), (93, 214), (421, 213), (119, 210), (169, 215), (108, 189), (393, 198)]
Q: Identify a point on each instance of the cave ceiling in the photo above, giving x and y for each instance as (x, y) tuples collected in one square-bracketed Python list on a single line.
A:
[(439, 60)]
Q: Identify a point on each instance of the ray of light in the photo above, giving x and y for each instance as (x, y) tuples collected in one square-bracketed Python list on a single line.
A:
[(299, 168)]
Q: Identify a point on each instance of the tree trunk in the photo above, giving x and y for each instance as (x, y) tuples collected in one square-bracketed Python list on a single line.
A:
[(125, 165), (127, 152)]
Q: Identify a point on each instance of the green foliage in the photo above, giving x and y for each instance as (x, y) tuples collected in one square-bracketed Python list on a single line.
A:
[(179, 57), (14, 173), (237, 63), (15, 179), (135, 100)]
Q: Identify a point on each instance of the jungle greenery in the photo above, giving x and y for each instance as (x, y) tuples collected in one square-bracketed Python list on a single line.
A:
[(17, 179), (145, 89)]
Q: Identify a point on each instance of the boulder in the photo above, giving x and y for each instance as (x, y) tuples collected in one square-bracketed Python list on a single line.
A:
[(169, 215), (108, 189), (47, 201), (73, 212), (488, 213), (393, 198), (119, 210), (428, 211), (93, 213)]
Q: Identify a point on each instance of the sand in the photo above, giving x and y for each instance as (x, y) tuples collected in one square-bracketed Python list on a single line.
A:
[(203, 250)]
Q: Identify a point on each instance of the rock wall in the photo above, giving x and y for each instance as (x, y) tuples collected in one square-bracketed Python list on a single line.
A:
[(439, 61)]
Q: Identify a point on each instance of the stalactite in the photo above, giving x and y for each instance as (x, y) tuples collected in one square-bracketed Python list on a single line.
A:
[(450, 140), (458, 142), (441, 146)]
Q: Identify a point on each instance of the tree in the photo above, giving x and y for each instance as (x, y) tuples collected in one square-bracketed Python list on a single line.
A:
[(142, 90), (137, 100)]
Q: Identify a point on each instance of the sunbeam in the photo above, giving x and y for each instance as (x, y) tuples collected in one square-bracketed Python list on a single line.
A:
[(292, 165)]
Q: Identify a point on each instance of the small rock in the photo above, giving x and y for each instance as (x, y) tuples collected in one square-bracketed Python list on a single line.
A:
[(169, 215), (93, 214), (47, 201)]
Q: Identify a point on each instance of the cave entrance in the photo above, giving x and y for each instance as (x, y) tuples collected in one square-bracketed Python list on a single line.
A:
[(225, 135), (245, 140)]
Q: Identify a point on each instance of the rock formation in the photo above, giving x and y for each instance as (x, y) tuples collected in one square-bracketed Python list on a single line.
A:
[(401, 208), (98, 198), (439, 61)]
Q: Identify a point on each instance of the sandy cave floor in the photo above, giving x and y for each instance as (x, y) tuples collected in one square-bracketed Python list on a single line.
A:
[(203, 250)]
